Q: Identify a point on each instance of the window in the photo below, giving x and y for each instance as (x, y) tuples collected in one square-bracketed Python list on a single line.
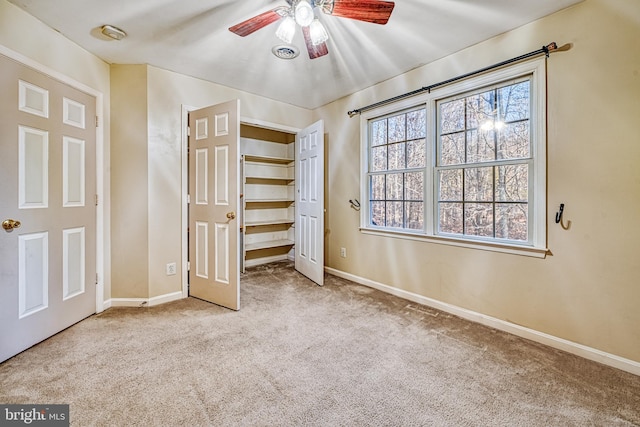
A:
[(462, 165), (396, 181)]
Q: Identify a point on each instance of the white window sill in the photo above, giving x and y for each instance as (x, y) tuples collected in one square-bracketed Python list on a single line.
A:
[(463, 243)]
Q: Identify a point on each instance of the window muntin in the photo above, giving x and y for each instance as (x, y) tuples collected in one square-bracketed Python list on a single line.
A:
[(483, 163), (396, 175)]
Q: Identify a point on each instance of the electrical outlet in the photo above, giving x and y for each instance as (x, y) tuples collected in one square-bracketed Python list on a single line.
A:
[(171, 269), (343, 252)]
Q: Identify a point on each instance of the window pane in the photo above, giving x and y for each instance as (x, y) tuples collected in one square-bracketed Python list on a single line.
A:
[(478, 184), (394, 186), (450, 185), (417, 124), (451, 149), (478, 219), (397, 128), (511, 221), (450, 218), (397, 156), (377, 187), (414, 215), (379, 158), (512, 183), (513, 141), (416, 153), (395, 214), (377, 213), (379, 132), (481, 146), (480, 109), (514, 102), (414, 186), (452, 116)]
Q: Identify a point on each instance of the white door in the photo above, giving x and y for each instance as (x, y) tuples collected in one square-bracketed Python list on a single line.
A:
[(214, 192), (309, 222), (47, 207)]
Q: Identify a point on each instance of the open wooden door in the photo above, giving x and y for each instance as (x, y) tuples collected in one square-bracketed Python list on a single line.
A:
[(214, 190), (309, 221)]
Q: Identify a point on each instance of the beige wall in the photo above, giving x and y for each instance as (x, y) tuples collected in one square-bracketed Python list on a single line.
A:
[(129, 182), (147, 169), (29, 37), (588, 289)]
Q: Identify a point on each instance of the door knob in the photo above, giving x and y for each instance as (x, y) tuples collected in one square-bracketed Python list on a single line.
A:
[(10, 224), (231, 215)]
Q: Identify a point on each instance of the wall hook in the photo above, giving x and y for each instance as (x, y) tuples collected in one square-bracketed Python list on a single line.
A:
[(355, 204), (559, 213)]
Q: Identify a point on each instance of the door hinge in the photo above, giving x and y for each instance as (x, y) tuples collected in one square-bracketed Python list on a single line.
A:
[(97, 122), (188, 198), (96, 279), (188, 265), (96, 200), (188, 131)]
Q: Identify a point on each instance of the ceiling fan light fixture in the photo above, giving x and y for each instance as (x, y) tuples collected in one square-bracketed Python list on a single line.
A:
[(286, 29), (317, 32), (303, 13)]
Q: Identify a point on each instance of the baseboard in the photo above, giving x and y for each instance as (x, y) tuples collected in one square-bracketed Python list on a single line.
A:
[(139, 302), (589, 353)]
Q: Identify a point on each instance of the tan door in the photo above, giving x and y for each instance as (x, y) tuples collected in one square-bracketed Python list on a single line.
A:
[(47, 207), (309, 259), (214, 192)]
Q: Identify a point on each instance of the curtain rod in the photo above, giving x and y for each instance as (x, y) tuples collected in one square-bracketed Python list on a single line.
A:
[(544, 49)]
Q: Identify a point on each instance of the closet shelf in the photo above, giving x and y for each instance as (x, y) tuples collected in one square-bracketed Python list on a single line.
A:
[(268, 244), (267, 159), (268, 222), (269, 200), (267, 178)]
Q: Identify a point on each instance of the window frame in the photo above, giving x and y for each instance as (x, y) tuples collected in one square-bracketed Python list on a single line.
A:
[(535, 70)]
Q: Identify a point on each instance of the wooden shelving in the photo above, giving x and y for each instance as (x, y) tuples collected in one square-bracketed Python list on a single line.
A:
[(268, 189), (268, 244)]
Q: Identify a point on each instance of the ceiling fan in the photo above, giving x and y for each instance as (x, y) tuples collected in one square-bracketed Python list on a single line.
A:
[(302, 13)]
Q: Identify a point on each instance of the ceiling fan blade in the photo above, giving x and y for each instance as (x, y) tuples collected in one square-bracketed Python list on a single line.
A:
[(254, 24), (315, 51), (375, 11)]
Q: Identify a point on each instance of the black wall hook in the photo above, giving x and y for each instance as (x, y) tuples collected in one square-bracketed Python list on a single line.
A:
[(355, 204), (559, 213)]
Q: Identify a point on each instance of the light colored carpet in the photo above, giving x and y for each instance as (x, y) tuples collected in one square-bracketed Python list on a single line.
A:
[(298, 354)]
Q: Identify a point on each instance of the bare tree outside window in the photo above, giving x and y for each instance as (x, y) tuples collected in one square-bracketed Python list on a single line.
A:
[(397, 163), (483, 163)]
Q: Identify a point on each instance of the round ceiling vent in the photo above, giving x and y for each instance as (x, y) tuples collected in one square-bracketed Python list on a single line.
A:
[(285, 52)]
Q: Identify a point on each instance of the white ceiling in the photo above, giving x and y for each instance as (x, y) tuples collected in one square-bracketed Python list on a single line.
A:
[(191, 37)]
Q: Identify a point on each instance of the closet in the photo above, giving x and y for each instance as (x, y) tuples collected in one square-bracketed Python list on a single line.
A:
[(267, 197), (255, 195)]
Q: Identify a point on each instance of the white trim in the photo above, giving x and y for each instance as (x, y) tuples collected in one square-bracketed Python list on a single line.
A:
[(584, 351), (101, 208), (267, 260), (148, 302), (184, 197)]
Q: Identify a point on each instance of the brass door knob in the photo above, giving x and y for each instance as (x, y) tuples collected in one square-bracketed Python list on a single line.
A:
[(10, 224), (231, 215)]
